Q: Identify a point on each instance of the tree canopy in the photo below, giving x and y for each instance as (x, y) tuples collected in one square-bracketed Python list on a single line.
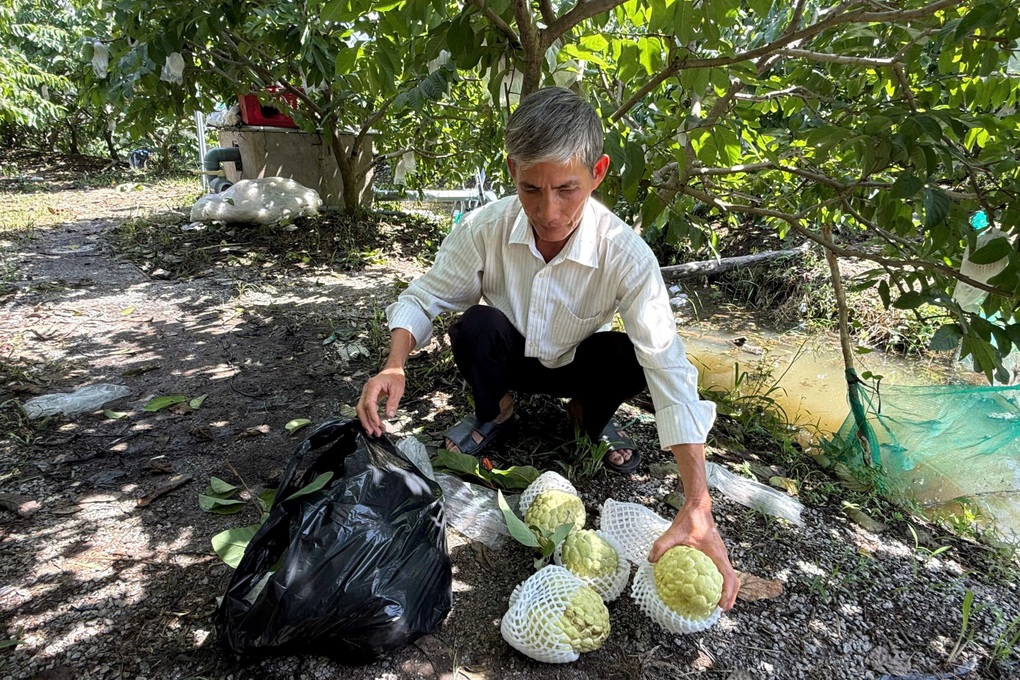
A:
[(872, 129)]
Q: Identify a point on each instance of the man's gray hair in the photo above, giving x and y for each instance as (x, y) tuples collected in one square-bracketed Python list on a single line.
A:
[(554, 125)]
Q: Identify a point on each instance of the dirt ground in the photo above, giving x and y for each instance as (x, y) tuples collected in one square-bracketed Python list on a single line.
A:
[(94, 584)]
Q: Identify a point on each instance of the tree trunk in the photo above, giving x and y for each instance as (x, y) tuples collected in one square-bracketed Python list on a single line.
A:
[(346, 160), (532, 76), (73, 129), (110, 147), (164, 148)]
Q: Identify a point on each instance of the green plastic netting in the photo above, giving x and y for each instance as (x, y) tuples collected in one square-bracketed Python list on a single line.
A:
[(941, 443)]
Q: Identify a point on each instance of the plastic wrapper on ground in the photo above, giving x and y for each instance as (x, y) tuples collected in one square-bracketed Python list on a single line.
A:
[(352, 571), (754, 495), (83, 400)]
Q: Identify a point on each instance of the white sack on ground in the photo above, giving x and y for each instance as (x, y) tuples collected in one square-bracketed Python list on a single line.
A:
[(258, 201)]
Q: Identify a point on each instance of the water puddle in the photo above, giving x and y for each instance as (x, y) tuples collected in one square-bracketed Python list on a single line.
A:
[(928, 426), (802, 373)]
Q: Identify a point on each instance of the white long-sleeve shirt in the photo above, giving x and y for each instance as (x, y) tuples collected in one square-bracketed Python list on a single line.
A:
[(605, 268)]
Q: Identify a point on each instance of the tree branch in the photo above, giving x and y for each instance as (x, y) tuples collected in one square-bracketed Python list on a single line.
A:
[(497, 22), (887, 235), (905, 84), (775, 94), (584, 9), (548, 13), (836, 58), (855, 16), (795, 222), (798, 14), (267, 76), (366, 127), (723, 103)]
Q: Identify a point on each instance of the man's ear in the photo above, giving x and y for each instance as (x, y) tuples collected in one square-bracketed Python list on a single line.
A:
[(599, 171)]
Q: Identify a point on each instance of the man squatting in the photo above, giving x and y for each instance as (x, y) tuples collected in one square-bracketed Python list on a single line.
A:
[(553, 266)]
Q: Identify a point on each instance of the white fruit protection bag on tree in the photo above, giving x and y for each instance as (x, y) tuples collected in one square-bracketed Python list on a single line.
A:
[(635, 528)]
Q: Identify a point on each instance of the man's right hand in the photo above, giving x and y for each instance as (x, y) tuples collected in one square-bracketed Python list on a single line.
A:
[(387, 385)]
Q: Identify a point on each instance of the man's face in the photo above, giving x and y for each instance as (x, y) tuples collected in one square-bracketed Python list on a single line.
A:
[(553, 195)]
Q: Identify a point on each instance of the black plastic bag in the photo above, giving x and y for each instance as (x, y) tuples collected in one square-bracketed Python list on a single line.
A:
[(352, 571)]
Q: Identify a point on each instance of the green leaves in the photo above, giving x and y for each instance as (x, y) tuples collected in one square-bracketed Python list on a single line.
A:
[(515, 477), (530, 536), (906, 186), (936, 206), (230, 544), (633, 169), (981, 16), (946, 338), (296, 424), (160, 403), (993, 251), (318, 483), (518, 529), (219, 498)]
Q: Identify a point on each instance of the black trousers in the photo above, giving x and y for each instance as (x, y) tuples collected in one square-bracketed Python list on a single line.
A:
[(489, 352)]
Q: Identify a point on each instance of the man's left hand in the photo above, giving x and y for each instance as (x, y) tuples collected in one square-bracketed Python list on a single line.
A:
[(694, 526)]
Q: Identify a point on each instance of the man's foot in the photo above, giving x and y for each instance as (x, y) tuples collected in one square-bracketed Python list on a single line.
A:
[(622, 456), (471, 436)]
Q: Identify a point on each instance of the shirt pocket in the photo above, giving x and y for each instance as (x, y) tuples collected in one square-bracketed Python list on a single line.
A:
[(568, 329)]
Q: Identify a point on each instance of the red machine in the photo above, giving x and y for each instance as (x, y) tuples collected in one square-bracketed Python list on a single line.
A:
[(255, 113)]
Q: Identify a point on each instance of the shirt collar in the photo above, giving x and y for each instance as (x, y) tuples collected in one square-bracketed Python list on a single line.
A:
[(582, 245)]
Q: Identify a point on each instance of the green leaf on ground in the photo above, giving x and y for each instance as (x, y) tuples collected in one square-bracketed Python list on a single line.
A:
[(115, 415), (460, 463), (197, 401), (296, 424), (516, 477), (230, 544), (160, 403), (266, 499), (218, 487), (518, 529), (220, 506)]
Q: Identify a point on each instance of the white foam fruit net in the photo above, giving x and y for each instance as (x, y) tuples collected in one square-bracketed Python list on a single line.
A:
[(545, 482), (635, 528), (644, 593), (531, 625), (609, 587)]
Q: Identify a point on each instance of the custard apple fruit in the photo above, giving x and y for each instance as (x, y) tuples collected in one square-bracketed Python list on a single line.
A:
[(587, 555), (552, 508), (584, 624), (688, 582)]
